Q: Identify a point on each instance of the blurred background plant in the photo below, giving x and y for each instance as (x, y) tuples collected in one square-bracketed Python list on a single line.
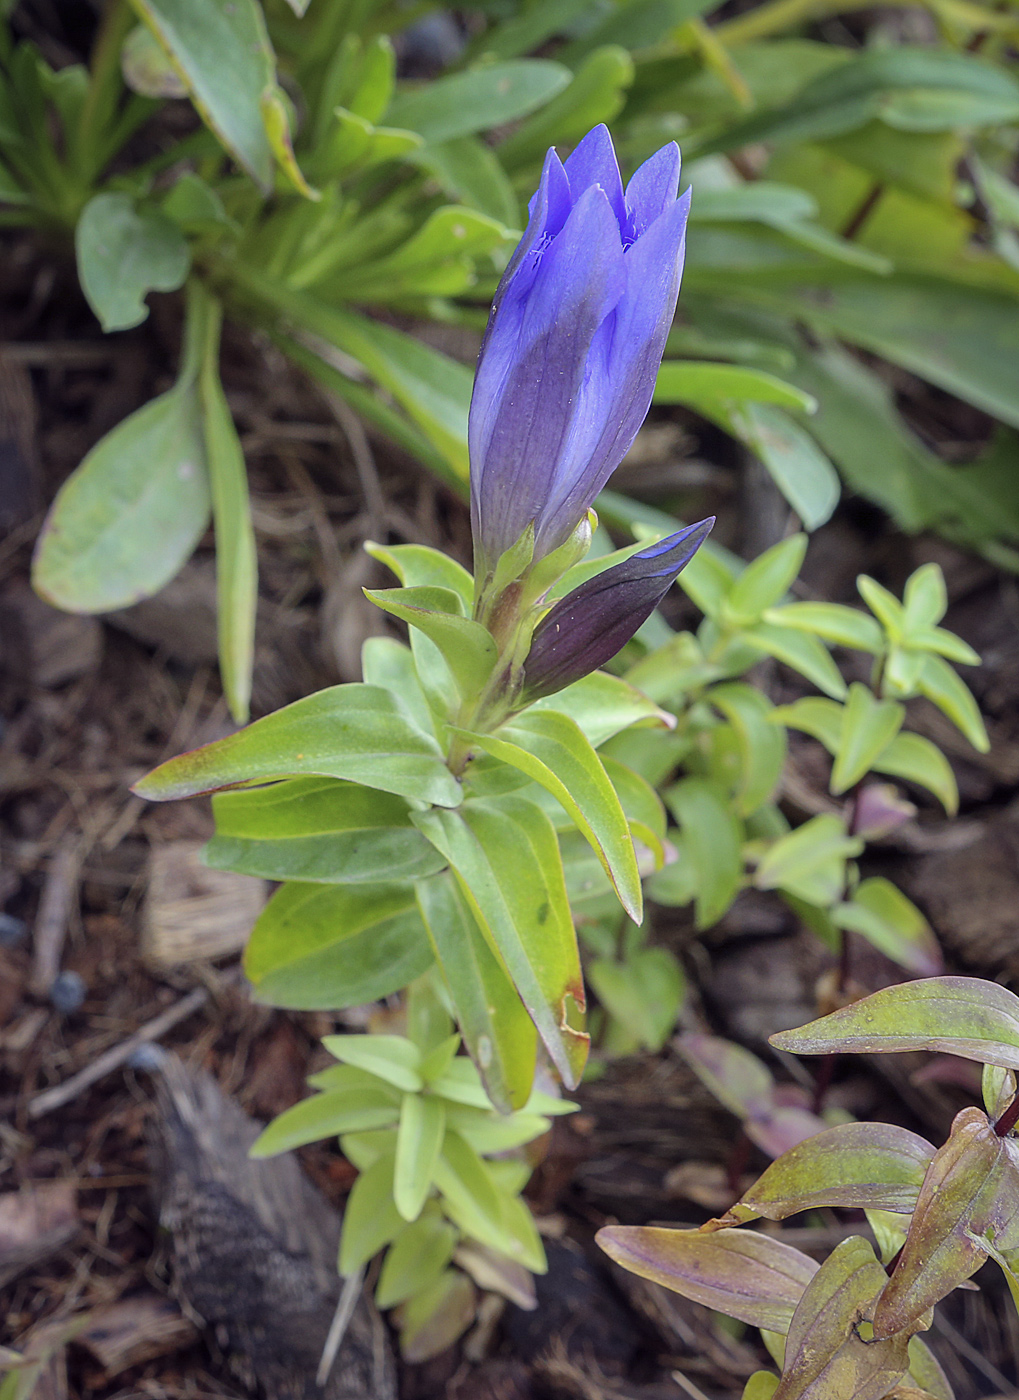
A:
[(854, 194)]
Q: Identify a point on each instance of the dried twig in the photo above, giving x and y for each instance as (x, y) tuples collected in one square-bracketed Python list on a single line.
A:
[(55, 907)]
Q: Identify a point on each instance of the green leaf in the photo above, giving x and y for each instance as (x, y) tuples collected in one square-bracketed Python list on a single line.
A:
[(868, 726), (507, 862), (319, 947), (468, 648), (127, 519), (853, 1165), (236, 560), (123, 254), (963, 1016), (596, 94), (603, 705), (356, 732), (713, 841), (552, 749), (924, 599), (393, 1058), (833, 622), (222, 53), (644, 993), (694, 382), (317, 829), (761, 744), (277, 118), (370, 1218), (463, 103), (887, 919), (942, 685), (798, 466), (638, 799), (825, 1354), (471, 172), (435, 1317), (748, 1276), (925, 1370), (761, 1386), (325, 1115), (527, 31), (799, 650), (496, 1027), (418, 1255), (998, 1089), (822, 719), (766, 580), (810, 861), (489, 1132), (418, 1140)]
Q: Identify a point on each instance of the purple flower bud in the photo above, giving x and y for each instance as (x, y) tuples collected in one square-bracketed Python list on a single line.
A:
[(573, 344), (587, 627)]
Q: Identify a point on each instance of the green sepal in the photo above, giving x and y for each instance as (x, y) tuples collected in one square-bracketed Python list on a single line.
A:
[(468, 649)]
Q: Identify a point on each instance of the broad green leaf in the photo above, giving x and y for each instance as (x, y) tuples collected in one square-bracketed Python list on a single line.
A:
[(463, 103), (887, 919), (236, 560), (387, 663), (393, 1058), (641, 24), (761, 1386), (490, 1132), (853, 1165), (355, 732), (868, 726), (735, 1076), (527, 31), (319, 947), (370, 1217), (695, 381), (603, 705), (363, 1150), (924, 599), (713, 840), (128, 518), (471, 172), (596, 94), (321, 830), (761, 744), (430, 1026), (638, 799), (942, 685), (222, 53), (416, 565), (822, 719), (803, 652), (325, 1115), (437, 260), (497, 1029), (766, 579), (418, 1255), (418, 1140), (552, 749), (925, 1370), (507, 863), (971, 1190), (963, 1016), (833, 622), (800, 469), (644, 993), (746, 1275), (825, 1354), (469, 1193), (124, 253), (468, 648), (707, 580), (434, 1318), (884, 605), (810, 861)]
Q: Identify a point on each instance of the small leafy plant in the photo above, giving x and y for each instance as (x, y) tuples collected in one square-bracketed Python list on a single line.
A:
[(848, 1329), (440, 1172)]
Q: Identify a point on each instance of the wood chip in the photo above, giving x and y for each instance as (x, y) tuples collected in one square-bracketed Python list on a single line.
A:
[(193, 913), (134, 1330), (34, 1223)]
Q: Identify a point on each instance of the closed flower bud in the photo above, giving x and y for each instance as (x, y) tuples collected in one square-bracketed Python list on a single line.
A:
[(587, 627), (574, 341)]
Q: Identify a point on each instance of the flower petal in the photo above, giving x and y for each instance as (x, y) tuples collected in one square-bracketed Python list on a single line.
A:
[(652, 189), (594, 162)]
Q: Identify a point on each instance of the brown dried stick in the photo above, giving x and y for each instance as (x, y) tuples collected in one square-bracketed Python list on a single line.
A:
[(58, 896)]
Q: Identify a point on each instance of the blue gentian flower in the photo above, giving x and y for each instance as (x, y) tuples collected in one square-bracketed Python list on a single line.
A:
[(587, 627), (573, 344)]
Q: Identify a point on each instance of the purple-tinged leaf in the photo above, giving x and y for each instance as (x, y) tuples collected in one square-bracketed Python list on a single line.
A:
[(827, 1355), (963, 1016), (748, 1276), (971, 1190), (854, 1165)]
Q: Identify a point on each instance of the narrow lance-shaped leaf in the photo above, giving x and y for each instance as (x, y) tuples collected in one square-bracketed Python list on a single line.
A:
[(963, 1016), (355, 732), (748, 1276), (853, 1165), (418, 1142), (825, 1355), (971, 1190)]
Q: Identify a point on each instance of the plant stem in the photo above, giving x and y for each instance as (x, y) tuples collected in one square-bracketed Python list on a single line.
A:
[(1008, 1119)]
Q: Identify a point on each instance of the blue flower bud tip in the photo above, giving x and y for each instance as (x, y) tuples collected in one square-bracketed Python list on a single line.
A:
[(574, 341), (590, 625)]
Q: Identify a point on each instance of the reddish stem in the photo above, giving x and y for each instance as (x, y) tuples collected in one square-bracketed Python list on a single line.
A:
[(1008, 1119)]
